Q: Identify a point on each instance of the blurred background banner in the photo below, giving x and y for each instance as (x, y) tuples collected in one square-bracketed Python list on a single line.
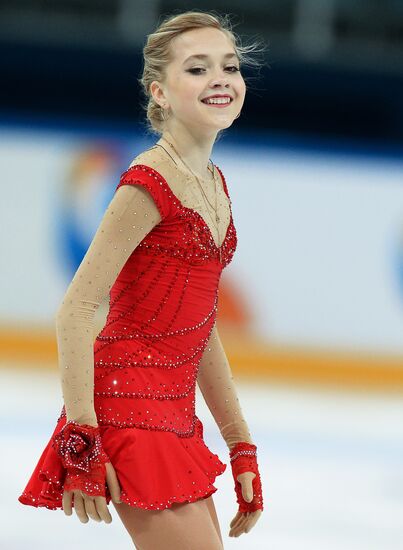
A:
[(311, 307)]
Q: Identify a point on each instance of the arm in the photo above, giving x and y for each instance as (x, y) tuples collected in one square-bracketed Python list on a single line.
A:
[(217, 385), (130, 216)]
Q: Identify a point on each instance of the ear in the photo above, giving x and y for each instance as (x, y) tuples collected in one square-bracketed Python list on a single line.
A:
[(157, 92)]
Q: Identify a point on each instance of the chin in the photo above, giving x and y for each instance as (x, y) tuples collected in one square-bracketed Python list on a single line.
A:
[(225, 121), (223, 126), (217, 125)]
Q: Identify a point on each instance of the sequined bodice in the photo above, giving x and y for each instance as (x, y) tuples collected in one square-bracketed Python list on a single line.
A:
[(185, 234)]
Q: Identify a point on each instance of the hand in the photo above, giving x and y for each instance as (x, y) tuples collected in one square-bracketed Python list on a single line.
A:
[(244, 521), (94, 507)]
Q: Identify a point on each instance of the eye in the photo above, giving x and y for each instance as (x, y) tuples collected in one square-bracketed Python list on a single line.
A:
[(234, 69), (195, 69)]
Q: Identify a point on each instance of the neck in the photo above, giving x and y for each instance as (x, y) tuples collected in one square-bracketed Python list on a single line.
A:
[(194, 149)]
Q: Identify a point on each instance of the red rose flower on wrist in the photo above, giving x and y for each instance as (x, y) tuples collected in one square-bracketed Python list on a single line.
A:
[(79, 445)]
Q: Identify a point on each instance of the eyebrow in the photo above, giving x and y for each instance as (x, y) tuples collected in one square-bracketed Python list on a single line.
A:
[(204, 56)]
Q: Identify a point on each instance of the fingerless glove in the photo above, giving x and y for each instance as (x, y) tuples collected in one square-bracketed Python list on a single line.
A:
[(243, 458)]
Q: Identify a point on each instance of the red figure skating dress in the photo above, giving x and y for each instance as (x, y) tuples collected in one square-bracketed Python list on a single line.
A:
[(159, 262)]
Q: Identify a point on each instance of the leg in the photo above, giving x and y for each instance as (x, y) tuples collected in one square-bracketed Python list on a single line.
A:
[(213, 514), (184, 526)]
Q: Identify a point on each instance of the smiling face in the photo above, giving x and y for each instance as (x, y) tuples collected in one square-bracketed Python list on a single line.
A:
[(190, 79)]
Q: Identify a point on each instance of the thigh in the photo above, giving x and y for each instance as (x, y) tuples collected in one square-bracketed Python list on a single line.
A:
[(184, 526), (213, 514)]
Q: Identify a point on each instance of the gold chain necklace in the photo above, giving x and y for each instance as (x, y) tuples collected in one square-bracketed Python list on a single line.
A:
[(217, 217), (162, 147), (198, 181)]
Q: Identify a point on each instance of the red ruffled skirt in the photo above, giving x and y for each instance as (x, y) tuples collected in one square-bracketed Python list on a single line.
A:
[(155, 468)]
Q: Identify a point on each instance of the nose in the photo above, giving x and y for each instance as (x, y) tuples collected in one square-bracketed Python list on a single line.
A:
[(218, 83), (220, 77)]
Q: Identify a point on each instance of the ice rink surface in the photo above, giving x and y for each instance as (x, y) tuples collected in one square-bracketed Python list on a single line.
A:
[(331, 464)]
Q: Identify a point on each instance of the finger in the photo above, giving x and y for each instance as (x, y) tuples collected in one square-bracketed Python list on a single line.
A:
[(247, 488), (79, 507), (246, 476), (237, 522), (90, 509), (252, 520), (247, 492), (102, 509), (66, 502), (239, 528), (238, 515), (113, 483)]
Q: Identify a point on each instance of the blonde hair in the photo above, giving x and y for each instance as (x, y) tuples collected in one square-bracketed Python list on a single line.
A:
[(157, 54)]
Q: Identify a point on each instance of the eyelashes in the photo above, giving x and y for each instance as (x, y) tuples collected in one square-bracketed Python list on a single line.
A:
[(236, 69)]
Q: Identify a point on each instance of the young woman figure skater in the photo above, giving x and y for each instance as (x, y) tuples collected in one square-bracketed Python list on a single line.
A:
[(128, 431)]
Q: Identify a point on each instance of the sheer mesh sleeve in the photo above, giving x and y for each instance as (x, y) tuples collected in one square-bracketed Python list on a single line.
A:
[(217, 385), (136, 207)]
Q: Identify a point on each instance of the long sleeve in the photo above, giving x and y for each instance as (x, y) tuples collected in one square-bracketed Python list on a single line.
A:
[(217, 385), (130, 216)]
